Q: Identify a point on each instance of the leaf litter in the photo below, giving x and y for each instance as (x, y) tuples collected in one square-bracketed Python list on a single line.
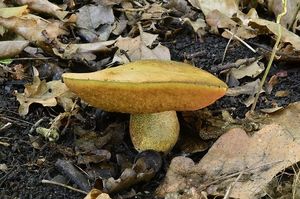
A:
[(86, 37)]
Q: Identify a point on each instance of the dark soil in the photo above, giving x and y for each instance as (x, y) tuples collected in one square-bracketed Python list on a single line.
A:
[(27, 166)]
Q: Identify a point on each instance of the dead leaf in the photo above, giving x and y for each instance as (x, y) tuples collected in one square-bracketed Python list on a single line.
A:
[(282, 93), (136, 49), (292, 9), (155, 12), (199, 25), (107, 2), (12, 48), (44, 6), (258, 159), (120, 25), (96, 156), (3, 168), (35, 29), (40, 92), (72, 51), (89, 20), (215, 19), (252, 70), (249, 88), (226, 7), (11, 12), (265, 26), (285, 118), (271, 110)]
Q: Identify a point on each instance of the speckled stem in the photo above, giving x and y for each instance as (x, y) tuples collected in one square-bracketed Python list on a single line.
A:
[(156, 131)]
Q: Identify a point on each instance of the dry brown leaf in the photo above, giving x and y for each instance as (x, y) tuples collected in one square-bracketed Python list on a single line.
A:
[(227, 7), (13, 11), (44, 6), (40, 92), (286, 117), (215, 19), (34, 29), (155, 12), (257, 158), (10, 12), (287, 20), (252, 70), (265, 26), (72, 51), (136, 49), (199, 25), (249, 88), (107, 2), (11, 48), (95, 22)]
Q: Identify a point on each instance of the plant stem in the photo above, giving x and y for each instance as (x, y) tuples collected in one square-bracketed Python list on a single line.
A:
[(284, 2)]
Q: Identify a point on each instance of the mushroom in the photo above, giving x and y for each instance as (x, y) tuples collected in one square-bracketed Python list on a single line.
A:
[(151, 91)]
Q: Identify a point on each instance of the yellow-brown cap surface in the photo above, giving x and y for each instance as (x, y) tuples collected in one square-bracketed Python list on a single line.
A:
[(147, 86)]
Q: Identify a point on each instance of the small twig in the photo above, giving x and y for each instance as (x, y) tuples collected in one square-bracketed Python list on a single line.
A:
[(4, 144), (247, 61), (15, 120), (228, 191), (242, 41), (196, 54), (275, 48), (5, 126), (33, 58), (226, 48), (63, 185)]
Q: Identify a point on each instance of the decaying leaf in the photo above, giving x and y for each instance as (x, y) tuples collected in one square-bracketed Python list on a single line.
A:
[(199, 25), (265, 26), (137, 49), (155, 12), (288, 20), (40, 92), (257, 159), (12, 48), (147, 86), (215, 19), (147, 164), (227, 7), (89, 20), (44, 6), (11, 12), (34, 29), (72, 51), (249, 88), (252, 70)]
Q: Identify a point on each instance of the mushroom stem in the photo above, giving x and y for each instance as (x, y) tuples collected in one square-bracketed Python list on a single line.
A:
[(156, 131)]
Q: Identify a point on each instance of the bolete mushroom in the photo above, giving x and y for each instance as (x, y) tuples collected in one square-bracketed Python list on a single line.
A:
[(151, 91)]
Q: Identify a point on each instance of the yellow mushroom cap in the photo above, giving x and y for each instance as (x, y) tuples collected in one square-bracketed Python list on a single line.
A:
[(147, 86)]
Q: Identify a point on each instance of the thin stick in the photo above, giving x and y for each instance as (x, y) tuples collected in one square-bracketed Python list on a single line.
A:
[(63, 185), (242, 41), (226, 48), (272, 54), (228, 191)]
